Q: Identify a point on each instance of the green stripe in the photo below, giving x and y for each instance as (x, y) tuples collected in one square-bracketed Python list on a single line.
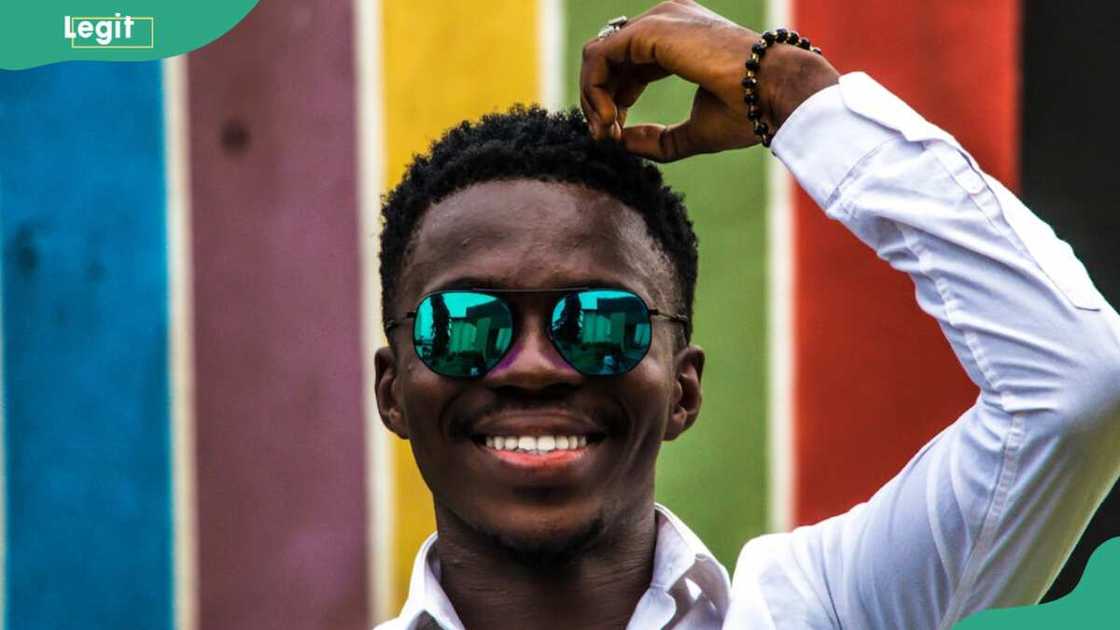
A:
[(714, 476)]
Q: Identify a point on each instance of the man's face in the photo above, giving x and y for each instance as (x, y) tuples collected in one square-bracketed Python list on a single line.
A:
[(525, 234)]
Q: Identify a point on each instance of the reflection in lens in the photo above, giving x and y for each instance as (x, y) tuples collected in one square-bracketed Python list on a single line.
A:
[(601, 332), (461, 333)]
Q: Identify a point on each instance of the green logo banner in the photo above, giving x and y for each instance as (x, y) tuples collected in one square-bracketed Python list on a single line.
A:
[(1090, 605), (49, 31)]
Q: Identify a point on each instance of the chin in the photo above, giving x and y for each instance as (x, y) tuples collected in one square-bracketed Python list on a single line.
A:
[(543, 537)]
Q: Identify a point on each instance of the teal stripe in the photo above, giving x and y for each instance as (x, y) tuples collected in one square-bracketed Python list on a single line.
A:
[(88, 466), (715, 476)]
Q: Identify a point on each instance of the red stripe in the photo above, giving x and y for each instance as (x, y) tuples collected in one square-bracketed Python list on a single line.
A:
[(281, 502), (874, 377)]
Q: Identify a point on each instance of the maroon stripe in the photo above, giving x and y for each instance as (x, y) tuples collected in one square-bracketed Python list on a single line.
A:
[(281, 499)]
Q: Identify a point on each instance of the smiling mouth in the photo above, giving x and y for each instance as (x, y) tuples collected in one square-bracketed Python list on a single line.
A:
[(537, 444)]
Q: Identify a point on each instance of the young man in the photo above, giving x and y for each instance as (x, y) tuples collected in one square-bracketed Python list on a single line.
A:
[(538, 285)]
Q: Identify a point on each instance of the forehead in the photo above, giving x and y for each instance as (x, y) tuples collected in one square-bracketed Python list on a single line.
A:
[(527, 234)]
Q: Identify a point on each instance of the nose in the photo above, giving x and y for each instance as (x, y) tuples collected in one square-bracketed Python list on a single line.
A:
[(533, 363)]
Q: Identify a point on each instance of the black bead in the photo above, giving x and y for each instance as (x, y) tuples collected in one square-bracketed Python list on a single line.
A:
[(768, 37), (793, 38), (752, 63), (760, 128), (816, 50), (782, 34), (751, 98), (766, 141), (759, 49), (749, 83), (805, 44)]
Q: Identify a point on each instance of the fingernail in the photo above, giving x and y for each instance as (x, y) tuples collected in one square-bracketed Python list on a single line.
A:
[(616, 131)]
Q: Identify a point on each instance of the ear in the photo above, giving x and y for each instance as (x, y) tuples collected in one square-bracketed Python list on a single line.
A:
[(385, 379), (687, 393)]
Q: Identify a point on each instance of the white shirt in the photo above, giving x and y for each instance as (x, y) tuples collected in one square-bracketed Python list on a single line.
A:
[(986, 513)]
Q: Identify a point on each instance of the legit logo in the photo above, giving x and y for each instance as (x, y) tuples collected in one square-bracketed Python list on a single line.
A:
[(110, 32)]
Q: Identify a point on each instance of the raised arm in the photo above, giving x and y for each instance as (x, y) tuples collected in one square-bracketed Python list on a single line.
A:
[(986, 513)]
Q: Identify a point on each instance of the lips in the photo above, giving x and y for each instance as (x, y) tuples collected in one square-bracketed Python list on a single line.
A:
[(536, 424), (537, 446)]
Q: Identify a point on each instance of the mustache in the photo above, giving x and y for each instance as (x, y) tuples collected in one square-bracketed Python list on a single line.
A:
[(462, 424)]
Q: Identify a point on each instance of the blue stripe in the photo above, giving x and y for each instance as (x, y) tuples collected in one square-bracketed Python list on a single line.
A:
[(87, 418)]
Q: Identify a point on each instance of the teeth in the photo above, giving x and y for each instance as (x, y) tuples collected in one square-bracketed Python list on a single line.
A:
[(536, 444)]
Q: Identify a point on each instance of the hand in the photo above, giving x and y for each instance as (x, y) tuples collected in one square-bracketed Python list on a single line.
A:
[(682, 38)]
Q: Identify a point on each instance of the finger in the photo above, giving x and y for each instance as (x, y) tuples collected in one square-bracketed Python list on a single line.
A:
[(601, 111), (588, 113), (615, 70), (607, 72), (624, 97), (595, 91), (660, 143), (632, 81)]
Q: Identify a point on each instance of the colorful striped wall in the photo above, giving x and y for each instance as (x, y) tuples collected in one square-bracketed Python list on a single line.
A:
[(190, 301)]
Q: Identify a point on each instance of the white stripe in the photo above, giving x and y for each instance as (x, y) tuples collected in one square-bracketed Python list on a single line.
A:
[(181, 340), (550, 53), (781, 338), (778, 13), (371, 166), (781, 333)]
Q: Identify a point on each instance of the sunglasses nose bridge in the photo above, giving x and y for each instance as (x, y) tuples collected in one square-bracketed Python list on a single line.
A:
[(532, 360)]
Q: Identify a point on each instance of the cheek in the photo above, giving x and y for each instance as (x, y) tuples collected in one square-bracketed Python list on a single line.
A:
[(648, 389), (423, 395)]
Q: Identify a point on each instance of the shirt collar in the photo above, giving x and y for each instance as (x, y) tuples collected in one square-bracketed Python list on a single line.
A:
[(679, 554)]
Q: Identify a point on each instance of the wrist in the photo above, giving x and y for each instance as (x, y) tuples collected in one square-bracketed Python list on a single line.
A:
[(789, 76)]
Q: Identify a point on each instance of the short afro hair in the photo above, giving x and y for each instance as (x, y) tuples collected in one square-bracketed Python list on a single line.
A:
[(532, 143)]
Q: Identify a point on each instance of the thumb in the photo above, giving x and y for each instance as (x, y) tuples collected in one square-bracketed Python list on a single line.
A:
[(659, 142)]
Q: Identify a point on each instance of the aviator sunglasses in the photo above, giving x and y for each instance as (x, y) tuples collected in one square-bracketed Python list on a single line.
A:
[(465, 333)]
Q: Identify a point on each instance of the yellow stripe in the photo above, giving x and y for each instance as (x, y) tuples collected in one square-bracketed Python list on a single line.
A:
[(444, 62)]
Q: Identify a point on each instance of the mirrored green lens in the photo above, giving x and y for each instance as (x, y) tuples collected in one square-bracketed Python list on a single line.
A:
[(601, 332), (462, 333)]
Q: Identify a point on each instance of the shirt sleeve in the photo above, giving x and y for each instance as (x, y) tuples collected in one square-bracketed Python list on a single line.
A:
[(986, 513)]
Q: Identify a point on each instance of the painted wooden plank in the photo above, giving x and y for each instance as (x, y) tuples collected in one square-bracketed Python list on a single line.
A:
[(89, 541), (280, 436), (874, 377), (1068, 172)]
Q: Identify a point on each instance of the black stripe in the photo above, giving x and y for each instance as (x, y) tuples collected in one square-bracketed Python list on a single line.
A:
[(1070, 134)]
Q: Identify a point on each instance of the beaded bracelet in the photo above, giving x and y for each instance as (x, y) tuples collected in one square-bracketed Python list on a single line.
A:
[(750, 82)]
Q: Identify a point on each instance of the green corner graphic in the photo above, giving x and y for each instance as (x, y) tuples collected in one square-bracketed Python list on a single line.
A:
[(1090, 606), (50, 31)]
